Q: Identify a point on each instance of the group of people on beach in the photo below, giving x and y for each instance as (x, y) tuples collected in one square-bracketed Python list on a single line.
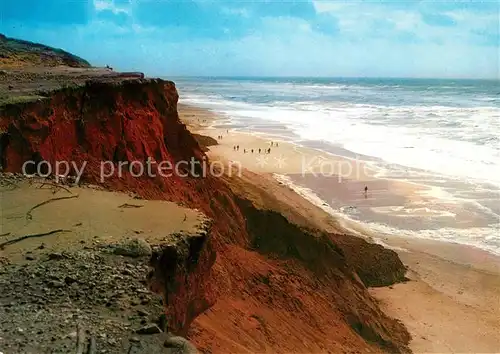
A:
[(260, 150), (237, 148), (219, 137)]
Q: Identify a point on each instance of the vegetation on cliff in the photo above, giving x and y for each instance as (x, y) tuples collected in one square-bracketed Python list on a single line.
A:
[(18, 53)]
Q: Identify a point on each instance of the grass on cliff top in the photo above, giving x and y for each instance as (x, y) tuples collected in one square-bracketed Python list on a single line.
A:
[(6, 100), (17, 52)]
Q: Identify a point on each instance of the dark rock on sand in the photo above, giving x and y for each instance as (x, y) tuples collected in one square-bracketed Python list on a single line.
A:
[(136, 247), (151, 328), (180, 345)]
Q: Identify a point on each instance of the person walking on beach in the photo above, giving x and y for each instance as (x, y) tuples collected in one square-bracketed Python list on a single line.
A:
[(244, 151), (237, 147), (259, 151), (366, 191), (252, 151)]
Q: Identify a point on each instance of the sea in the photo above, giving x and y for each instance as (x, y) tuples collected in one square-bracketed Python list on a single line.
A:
[(441, 133)]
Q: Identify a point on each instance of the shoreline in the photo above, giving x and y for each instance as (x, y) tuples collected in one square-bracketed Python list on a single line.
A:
[(392, 205), (453, 286)]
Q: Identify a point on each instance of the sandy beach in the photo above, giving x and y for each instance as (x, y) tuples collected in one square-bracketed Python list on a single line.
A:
[(452, 301)]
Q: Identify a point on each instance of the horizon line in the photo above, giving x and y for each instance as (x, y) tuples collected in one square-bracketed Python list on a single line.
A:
[(327, 77)]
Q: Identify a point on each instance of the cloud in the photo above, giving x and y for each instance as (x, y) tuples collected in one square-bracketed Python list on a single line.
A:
[(321, 38), (434, 19), (110, 5), (330, 6), (413, 22), (236, 11)]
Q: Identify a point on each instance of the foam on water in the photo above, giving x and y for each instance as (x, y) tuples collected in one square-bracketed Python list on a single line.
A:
[(308, 194), (410, 145), (485, 238), (401, 211)]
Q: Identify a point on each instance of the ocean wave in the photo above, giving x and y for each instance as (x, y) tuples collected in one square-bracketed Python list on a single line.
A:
[(450, 141), (484, 238), (402, 211)]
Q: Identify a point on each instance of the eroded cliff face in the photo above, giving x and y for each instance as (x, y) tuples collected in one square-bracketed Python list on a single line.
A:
[(269, 284), (128, 121)]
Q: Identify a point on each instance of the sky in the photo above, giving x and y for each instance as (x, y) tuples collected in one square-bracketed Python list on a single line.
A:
[(356, 38)]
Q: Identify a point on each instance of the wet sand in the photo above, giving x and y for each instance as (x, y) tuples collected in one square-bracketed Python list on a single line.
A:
[(391, 202), (451, 304)]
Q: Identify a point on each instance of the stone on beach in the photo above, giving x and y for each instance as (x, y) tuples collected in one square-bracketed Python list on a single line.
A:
[(136, 247)]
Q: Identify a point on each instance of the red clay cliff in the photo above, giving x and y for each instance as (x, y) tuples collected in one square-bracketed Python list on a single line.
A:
[(257, 282)]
